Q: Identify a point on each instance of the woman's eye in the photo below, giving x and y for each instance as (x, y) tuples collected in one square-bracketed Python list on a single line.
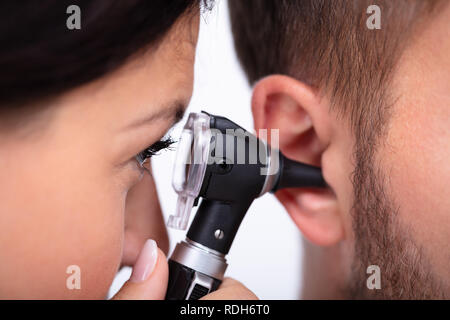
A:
[(143, 156)]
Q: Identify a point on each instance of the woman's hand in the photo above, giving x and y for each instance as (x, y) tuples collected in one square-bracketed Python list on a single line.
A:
[(231, 289), (150, 276), (150, 272)]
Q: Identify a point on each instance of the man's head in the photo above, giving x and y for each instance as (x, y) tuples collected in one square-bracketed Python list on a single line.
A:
[(371, 107)]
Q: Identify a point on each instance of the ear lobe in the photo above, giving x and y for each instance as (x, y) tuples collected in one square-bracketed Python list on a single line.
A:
[(302, 118), (315, 213)]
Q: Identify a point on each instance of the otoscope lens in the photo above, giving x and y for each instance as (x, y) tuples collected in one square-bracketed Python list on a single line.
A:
[(183, 160), (190, 166)]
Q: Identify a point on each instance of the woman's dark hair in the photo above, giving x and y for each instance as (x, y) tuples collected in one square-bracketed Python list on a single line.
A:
[(41, 57)]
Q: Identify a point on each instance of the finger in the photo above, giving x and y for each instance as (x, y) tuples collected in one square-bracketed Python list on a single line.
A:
[(149, 278), (231, 289)]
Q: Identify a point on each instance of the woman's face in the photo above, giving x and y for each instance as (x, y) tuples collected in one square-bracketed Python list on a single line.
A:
[(71, 190)]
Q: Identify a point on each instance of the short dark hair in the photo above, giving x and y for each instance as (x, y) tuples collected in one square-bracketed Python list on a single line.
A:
[(326, 44), (41, 57)]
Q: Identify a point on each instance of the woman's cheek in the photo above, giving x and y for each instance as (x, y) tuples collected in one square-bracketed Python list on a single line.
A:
[(96, 244), (96, 228), (63, 242), (101, 252)]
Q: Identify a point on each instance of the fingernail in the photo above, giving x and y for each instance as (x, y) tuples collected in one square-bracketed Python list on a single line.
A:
[(146, 262)]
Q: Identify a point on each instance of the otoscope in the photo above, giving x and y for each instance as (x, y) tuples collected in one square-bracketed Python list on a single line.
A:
[(227, 168)]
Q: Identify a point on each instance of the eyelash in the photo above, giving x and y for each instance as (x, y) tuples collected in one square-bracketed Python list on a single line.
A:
[(149, 152)]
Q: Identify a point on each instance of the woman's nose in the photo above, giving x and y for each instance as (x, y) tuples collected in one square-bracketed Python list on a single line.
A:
[(143, 220)]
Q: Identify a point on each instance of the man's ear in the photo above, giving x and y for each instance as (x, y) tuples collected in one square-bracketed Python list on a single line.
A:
[(304, 124)]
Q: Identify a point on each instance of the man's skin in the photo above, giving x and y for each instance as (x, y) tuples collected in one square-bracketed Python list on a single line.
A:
[(404, 214)]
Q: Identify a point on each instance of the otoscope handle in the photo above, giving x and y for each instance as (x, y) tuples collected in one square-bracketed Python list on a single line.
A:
[(216, 223), (194, 271), (187, 284)]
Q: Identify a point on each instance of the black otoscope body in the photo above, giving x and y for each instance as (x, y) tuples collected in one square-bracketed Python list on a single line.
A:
[(239, 168)]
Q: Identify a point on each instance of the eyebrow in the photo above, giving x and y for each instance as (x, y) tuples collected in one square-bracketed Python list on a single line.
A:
[(174, 111)]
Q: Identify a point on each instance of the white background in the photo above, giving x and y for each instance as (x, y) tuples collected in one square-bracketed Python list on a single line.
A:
[(266, 254)]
